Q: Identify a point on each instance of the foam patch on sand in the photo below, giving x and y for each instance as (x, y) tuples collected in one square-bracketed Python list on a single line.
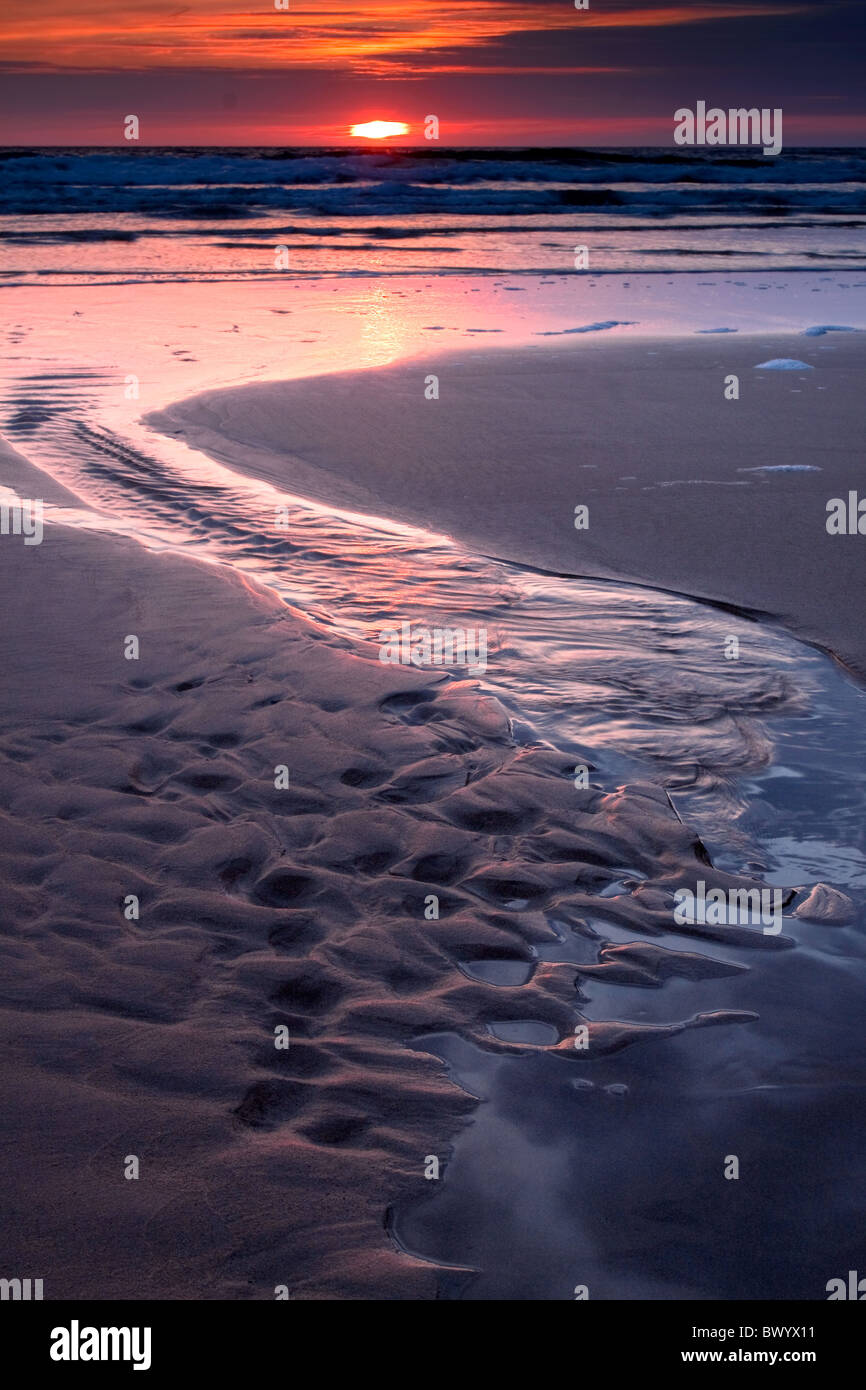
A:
[(587, 328), (783, 364), (821, 328), (782, 468)]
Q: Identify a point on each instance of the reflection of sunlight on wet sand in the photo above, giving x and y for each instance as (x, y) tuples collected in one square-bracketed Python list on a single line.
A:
[(184, 338), (389, 329)]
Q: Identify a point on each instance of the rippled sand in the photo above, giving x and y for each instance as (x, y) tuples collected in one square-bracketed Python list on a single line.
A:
[(305, 907)]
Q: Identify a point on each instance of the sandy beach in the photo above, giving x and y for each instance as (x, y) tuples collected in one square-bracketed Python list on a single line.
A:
[(723, 499), (154, 1037), (305, 908), (259, 908), (433, 698)]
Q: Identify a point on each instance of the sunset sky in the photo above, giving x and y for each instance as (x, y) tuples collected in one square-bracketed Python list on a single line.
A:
[(501, 72)]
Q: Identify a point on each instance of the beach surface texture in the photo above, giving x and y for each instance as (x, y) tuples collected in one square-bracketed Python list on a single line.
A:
[(233, 841), (687, 488)]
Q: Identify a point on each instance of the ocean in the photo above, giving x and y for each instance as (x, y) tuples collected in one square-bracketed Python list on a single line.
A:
[(215, 214)]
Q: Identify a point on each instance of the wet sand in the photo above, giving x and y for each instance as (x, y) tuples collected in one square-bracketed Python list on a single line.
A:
[(305, 908), (640, 433), (261, 908)]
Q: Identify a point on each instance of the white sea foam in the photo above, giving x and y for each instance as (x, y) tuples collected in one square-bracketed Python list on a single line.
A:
[(784, 364)]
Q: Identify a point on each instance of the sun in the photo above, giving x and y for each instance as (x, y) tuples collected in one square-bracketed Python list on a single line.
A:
[(378, 130)]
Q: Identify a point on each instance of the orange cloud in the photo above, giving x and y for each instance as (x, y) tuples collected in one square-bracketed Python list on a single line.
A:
[(380, 37)]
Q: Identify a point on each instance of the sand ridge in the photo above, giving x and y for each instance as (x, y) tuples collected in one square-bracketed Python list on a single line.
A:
[(673, 472)]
